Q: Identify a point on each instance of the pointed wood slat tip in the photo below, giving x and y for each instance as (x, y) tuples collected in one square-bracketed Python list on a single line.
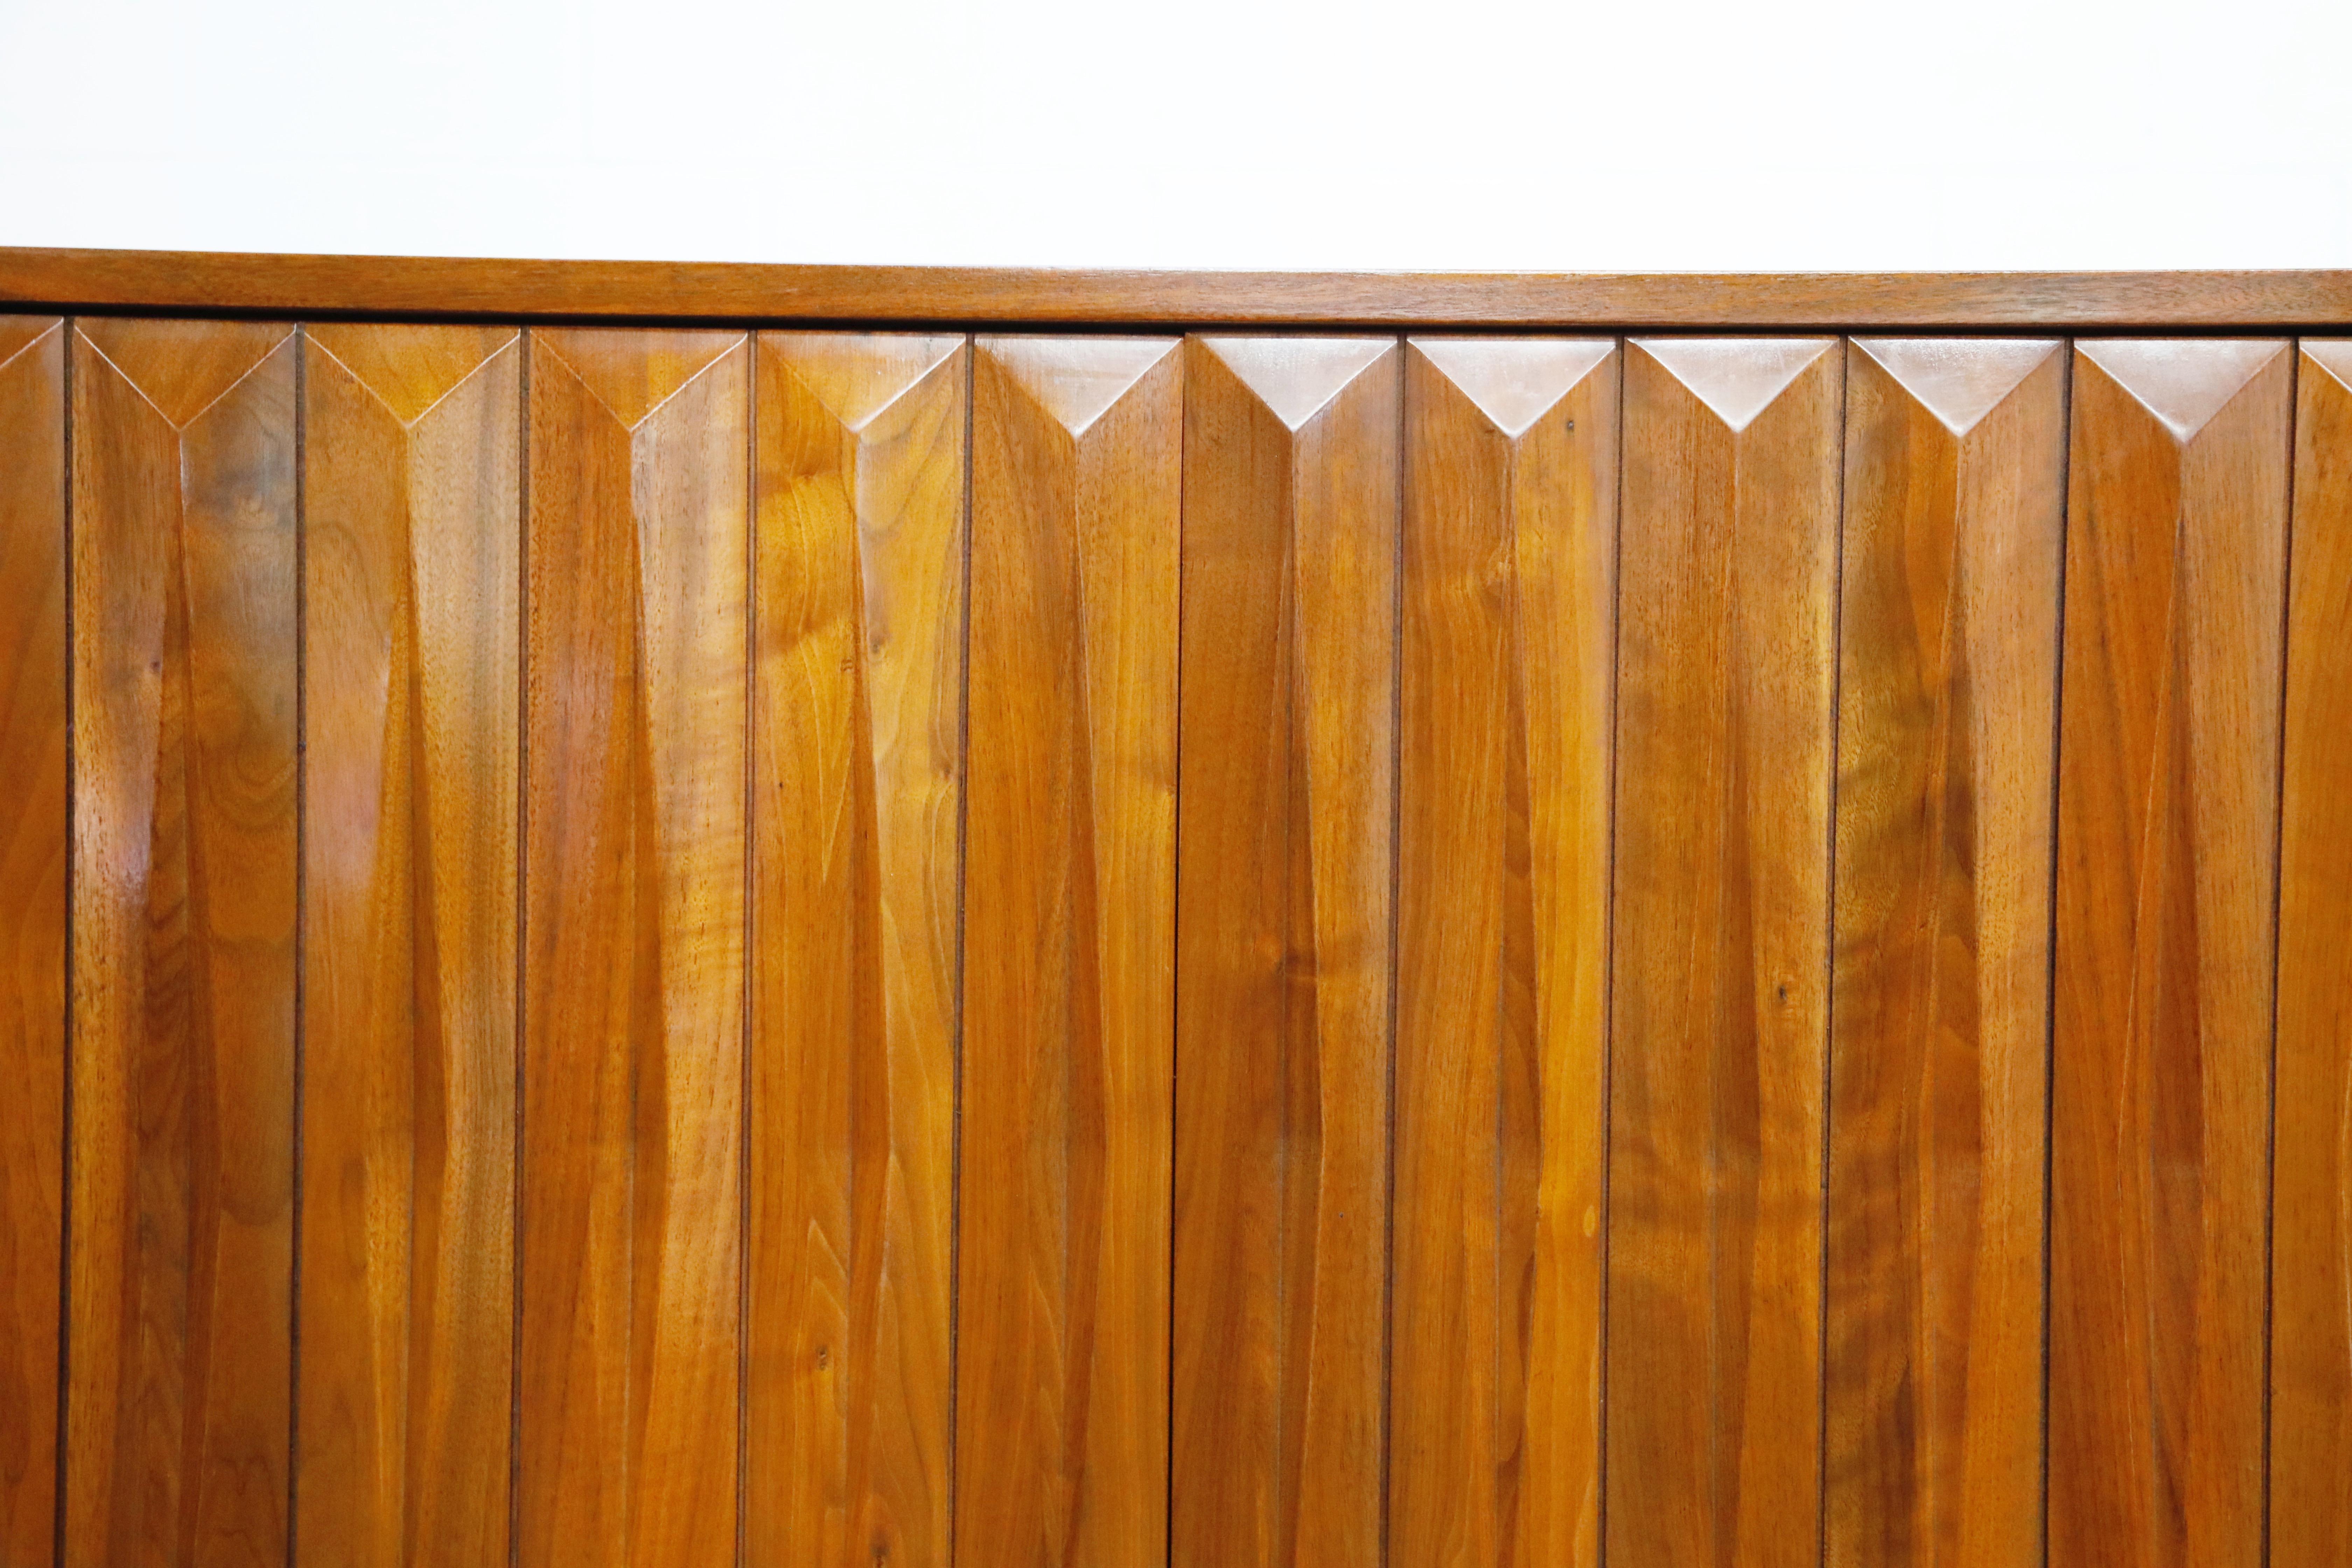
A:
[(1514, 381), (1296, 378), (1077, 380), (2184, 381), (18, 333), (2333, 355), (183, 367), (858, 375), (1738, 378), (632, 371), (410, 368), (1958, 379)]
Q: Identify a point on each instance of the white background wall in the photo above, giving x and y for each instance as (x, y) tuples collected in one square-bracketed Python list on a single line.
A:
[(1583, 135)]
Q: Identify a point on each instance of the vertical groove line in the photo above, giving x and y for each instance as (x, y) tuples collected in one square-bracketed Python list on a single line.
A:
[(521, 927), (1609, 969), (1829, 974), (301, 339), (1175, 973), (751, 928), (2278, 897), (964, 816), (2049, 959), (1396, 826), (70, 328)]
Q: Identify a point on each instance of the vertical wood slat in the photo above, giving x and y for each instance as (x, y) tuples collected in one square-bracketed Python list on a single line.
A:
[(1955, 463), (1069, 971), (184, 936), (412, 750), (1720, 991), (858, 793), (1509, 663), (634, 963), (32, 922), (1284, 958), (2169, 774), (2311, 1314)]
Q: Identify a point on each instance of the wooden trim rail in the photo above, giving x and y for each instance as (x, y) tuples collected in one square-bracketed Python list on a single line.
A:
[(443, 287)]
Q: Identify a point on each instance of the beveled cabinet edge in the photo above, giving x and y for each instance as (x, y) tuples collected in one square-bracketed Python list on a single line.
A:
[(762, 293)]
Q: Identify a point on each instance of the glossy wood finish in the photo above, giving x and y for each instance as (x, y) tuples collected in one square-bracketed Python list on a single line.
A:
[(411, 755), (1955, 497), (1721, 970), (1069, 963), (1285, 964), (858, 797), (2311, 1285), (681, 291), (32, 923), (185, 606), (1509, 659), (2168, 828), (634, 856)]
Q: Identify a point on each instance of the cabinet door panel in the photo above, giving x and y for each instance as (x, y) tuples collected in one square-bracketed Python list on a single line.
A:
[(32, 922), (638, 552), (1508, 652), (2168, 800), (411, 486), (185, 598), (858, 771), (1284, 949), (1720, 991)]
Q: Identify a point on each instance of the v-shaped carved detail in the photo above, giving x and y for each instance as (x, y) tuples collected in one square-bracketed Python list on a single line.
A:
[(1514, 381), (1077, 380), (2333, 355), (858, 375), (632, 371), (2184, 381), (1958, 379), (410, 369), (18, 333), (1737, 377), (1297, 377), (183, 368)]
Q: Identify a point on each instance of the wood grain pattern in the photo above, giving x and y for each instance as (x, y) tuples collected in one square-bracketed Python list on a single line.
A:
[(2166, 836), (1284, 954), (2311, 1311), (452, 285), (32, 923), (1508, 670), (179, 1399), (638, 555), (412, 754), (1069, 970), (1955, 496), (858, 768), (1721, 969)]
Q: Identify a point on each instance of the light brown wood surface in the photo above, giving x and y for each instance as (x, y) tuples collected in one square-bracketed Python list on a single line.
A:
[(32, 923), (1069, 957), (411, 491), (928, 296), (858, 792), (634, 868), (2311, 1286), (1284, 962), (184, 608), (2168, 803), (1955, 498), (1720, 993), (1508, 667)]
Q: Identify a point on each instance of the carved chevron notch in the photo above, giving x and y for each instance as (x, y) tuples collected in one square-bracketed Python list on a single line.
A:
[(631, 371), (18, 333), (1958, 379), (183, 367), (2184, 381), (1295, 377), (1077, 380), (2333, 355), (856, 375), (410, 369), (1514, 381), (1737, 377)]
